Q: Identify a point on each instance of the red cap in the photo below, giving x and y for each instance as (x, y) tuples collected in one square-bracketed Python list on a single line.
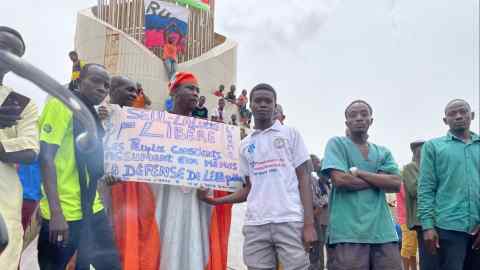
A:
[(182, 78)]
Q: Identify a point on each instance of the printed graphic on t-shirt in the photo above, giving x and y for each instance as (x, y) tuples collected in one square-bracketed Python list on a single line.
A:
[(267, 166)]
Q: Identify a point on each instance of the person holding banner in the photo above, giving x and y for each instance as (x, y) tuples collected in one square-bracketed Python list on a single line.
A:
[(193, 235), (275, 164), (133, 203)]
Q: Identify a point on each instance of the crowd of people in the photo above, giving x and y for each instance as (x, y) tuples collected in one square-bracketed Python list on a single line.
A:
[(297, 204)]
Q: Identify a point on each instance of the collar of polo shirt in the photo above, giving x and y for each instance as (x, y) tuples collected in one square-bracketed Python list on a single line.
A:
[(276, 126)]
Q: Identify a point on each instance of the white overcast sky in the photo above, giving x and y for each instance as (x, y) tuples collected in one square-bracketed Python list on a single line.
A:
[(408, 58)]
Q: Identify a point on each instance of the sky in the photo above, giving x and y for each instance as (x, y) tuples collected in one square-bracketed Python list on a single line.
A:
[(407, 58)]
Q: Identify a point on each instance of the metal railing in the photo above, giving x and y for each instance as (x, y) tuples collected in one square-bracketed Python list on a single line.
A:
[(129, 17)]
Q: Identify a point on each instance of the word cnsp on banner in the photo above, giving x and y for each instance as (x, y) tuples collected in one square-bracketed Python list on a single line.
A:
[(159, 147), (164, 21)]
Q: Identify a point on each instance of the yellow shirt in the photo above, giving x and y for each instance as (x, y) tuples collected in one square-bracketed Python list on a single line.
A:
[(22, 136), (56, 127), (76, 70)]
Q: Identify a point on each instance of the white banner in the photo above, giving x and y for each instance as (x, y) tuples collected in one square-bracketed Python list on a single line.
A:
[(159, 147)]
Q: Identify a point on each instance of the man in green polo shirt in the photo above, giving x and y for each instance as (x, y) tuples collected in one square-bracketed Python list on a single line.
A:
[(65, 172), (449, 192), (361, 231)]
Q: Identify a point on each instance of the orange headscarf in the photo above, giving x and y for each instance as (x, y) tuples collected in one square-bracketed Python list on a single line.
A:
[(182, 78)]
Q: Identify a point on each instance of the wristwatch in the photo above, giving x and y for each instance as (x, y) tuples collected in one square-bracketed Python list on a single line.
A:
[(353, 171)]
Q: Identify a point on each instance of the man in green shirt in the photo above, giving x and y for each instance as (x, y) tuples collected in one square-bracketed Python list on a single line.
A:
[(409, 176), (361, 231), (449, 192), (67, 174)]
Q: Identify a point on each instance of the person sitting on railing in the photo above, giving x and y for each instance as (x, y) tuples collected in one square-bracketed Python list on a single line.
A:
[(200, 111), (231, 94), (233, 120), (219, 92), (245, 114), (76, 68), (218, 113)]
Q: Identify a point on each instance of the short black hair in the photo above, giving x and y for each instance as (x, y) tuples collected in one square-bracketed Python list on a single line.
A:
[(263, 86), (84, 70), (73, 52), (370, 110), (15, 33), (457, 100), (118, 80)]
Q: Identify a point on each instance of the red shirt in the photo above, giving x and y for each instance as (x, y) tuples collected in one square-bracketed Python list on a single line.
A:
[(218, 93)]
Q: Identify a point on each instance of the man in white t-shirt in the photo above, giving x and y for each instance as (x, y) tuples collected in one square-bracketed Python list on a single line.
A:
[(276, 166)]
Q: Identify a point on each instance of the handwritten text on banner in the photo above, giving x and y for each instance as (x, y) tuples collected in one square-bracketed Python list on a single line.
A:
[(159, 147)]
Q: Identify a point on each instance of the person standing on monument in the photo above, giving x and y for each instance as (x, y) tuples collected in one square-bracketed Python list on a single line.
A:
[(77, 66), (200, 110), (170, 56)]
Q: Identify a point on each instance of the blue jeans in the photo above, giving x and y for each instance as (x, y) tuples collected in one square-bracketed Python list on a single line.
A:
[(455, 252), (171, 67)]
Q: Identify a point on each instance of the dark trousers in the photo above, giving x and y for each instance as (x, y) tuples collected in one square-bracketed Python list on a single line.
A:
[(427, 260), (317, 256), (100, 248), (455, 252)]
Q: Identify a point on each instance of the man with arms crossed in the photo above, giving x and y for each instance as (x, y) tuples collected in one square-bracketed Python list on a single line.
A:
[(361, 231)]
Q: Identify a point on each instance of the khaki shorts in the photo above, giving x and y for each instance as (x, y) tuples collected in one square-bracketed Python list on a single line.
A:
[(409, 242), (264, 243), (349, 256)]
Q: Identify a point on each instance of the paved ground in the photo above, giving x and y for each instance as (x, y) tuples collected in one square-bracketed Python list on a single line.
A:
[(29, 258)]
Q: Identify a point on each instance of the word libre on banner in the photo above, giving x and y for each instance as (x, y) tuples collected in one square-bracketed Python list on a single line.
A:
[(163, 148)]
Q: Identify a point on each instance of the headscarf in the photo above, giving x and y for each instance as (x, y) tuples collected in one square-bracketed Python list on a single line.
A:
[(181, 78)]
